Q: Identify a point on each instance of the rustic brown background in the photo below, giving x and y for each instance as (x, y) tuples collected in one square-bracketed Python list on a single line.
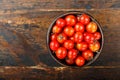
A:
[(23, 51)]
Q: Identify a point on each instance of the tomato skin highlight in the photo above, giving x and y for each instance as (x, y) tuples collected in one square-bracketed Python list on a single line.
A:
[(69, 31), (91, 27), (89, 38), (54, 45), (82, 46), (88, 55), (94, 46), (70, 20), (53, 37), (60, 22), (72, 54), (78, 37), (56, 29), (97, 35), (79, 27), (61, 53), (68, 44), (72, 38), (84, 19), (80, 61)]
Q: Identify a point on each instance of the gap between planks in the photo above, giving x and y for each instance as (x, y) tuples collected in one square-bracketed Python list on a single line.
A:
[(3, 69), (39, 67), (50, 10)]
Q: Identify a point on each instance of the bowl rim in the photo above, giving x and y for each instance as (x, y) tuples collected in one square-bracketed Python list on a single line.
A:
[(75, 13)]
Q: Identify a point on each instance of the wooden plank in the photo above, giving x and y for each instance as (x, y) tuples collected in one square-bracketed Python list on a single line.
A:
[(23, 51), (23, 38), (13, 6), (62, 73)]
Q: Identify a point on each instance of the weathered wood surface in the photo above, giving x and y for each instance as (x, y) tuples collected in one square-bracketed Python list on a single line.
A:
[(23, 38), (23, 28), (60, 73)]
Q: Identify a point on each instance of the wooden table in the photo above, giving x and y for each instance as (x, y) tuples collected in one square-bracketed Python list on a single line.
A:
[(23, 51)]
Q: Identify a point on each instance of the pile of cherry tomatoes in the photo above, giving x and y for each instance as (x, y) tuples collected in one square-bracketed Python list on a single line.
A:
[(74, 39)]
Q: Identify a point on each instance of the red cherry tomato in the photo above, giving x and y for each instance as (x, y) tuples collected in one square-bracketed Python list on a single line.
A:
[(61, 38), (68, 44), (79, 27), (73, 34), (69, 61), (54, 45), (84, 19), (91, 27), (80, 61), (53, 37), (61, 53), (72, 54), (60, 22), (94, 46), (82, 46), (78, 37), (69, 31), (56, 29), (89, 38), (97, 35), (88, 55), (70, 20)]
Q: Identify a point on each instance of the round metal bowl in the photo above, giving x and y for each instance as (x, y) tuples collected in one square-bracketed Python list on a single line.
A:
[(62, 62)]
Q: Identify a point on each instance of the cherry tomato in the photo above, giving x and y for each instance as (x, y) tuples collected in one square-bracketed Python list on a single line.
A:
[(97, 35), (72, 34), (56, 29), (78, 37), (84, 19), (61, 53), (82, 46), (89, 38), (69, 61), (94, 46), (53, 37), (54, 45), (91, 27), (61, 38), (79, 27), (69, 31), (72, 54), (88, 55), (80, 61), (70, 20), (68, 44), (60, 22)]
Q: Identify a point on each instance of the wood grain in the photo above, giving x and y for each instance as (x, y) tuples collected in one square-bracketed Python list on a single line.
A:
[(27, 73), (25, 43), (16, 6), (23, 51)]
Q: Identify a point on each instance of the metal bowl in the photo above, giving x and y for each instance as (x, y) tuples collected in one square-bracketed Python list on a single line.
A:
[(96, 54)]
